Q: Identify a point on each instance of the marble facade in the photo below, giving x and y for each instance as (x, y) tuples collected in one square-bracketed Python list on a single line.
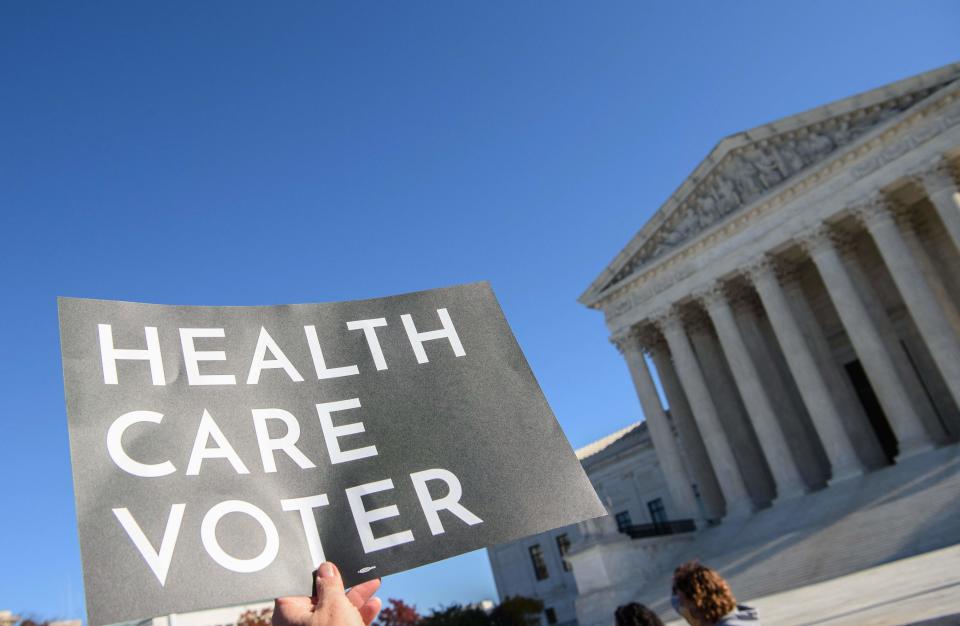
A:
[(798, 299)]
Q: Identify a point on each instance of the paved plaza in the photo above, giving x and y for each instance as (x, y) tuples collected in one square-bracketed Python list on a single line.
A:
[(909, 591), (810, 575)]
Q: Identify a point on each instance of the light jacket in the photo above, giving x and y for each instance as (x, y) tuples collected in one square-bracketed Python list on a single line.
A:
[(743, 615)]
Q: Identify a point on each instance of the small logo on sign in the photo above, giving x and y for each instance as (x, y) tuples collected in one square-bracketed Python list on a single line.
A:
[(364, 570)]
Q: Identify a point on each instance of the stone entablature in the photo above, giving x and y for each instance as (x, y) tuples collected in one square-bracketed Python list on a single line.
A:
[(721, 250), (682, 228), (747, 173)]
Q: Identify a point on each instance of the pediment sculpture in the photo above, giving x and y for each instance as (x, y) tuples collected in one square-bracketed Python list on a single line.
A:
[(748, 172)]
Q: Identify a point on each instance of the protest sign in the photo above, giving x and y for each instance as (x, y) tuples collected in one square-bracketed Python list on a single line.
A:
[(221, 453)]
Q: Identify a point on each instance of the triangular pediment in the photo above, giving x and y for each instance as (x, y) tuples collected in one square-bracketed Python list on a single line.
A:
[(746, 167)]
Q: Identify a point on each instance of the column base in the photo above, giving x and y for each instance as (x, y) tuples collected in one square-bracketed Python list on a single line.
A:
[(790, 489), (738, 511), (843, 475), (789, 495), (914, 450)]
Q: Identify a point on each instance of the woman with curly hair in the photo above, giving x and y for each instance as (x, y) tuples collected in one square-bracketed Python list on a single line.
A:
[(635, 614), (703, 598)]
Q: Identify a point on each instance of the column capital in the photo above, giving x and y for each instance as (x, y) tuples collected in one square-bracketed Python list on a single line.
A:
[(760, 268), (938, 181), (877, 208), (696, 320), (667, 320), (740, 296), (768, 265), (712, 297), (936, 175), (817, 239), (642, 337), (652, 340), (625, 340), (824, 237)]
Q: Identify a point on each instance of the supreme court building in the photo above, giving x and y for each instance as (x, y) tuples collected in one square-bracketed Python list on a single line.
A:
[(798, 298)]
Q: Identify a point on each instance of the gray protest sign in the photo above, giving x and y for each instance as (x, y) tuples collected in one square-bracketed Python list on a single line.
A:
[(220, 453)]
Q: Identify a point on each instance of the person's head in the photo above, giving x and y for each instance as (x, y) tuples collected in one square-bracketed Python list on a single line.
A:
[(701, 595), (635, 614)]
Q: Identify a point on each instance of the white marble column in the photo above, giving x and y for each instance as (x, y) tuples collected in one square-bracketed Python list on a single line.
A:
[(690, 440), (938, 182), (912, 438), (814, 390), (764, 419), (927, 313), (721, 455), (661, 433)]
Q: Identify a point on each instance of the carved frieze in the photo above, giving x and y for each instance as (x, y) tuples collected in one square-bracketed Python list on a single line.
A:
[(747, 173), (633, 300), (899, 148), (638, 296)]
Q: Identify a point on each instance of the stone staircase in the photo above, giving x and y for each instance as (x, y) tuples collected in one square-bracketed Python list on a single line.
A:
[(890, 514)]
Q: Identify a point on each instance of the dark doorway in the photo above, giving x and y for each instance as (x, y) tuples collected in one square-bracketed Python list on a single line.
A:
[(871, 406)]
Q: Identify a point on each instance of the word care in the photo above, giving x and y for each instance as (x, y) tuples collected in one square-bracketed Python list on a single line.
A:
[(221, 453)]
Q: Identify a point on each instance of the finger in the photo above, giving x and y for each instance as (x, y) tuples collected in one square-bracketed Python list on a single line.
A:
[(359, 595), (291, 602), (369, 610), (289, 610), (328, 581)]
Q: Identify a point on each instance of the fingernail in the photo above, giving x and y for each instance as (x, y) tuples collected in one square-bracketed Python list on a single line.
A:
[(326, 570)]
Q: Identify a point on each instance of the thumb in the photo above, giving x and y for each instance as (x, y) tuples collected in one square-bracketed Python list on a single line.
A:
[(329, 583)]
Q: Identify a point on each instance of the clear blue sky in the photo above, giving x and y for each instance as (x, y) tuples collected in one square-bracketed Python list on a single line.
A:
[(261, 153)]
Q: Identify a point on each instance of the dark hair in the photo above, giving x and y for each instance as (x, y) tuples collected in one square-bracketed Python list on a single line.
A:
[(635, 614), (705, 589)]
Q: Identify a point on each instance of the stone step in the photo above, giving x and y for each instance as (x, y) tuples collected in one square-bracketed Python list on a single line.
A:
[(890, 514)]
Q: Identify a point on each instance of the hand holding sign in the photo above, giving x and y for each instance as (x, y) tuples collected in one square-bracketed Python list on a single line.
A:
[(330, 605), (220, 452)]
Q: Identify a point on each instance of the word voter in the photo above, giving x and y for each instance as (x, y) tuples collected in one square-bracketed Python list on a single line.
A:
[(159, 559)]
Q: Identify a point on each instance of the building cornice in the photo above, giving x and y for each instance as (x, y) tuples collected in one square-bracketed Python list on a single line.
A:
[(694, 226), (875, 149)]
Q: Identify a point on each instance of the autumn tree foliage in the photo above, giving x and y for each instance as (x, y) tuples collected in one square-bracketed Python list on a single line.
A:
[(513, 611), (517, 611), (252, 617), (399, 613), (457, 615), (33, 620), (28, 620)]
